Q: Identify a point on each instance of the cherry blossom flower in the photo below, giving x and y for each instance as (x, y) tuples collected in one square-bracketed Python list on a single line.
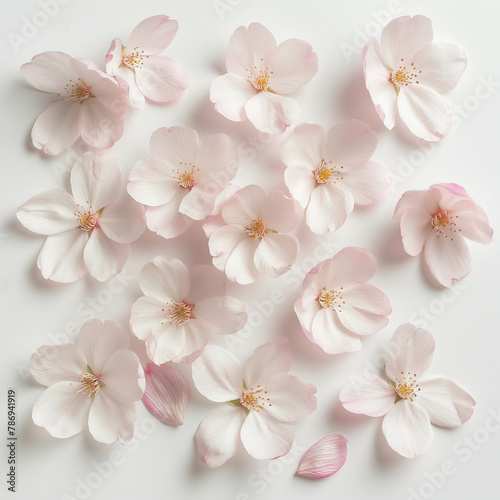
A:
[(329, 173), (166, 395), (91, 105), (181, 308), (410, 405), (260, 76), (406, 73), (159, 78), (337, 304), (255, 237), (89, 230), (436, 221), (95, 381), (261, 402), (181, 181), (324, 458)]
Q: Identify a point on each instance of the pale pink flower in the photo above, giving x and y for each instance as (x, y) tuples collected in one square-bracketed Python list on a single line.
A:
[(437, 220), (410, 405), (324, 458), (89, 230), (94, 382), (254, 238), (159, 78), (337, 304), (260, 75), (181, 181), (262, 402), (328, 173), (407, 72), (166, 395), (91, 105), (181, 308)]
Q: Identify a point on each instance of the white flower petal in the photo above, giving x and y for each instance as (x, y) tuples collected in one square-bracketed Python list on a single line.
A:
[(275, 254), (415, 229), (165, 220), (329, 334), (301, 182), (147, 313), (175, 145), (240, 265), (303, 147), (206, 282), (221, 315), (281, 213), (123, 221), (243, 205), (230, 93), (153, 35), (223, 241), (123, 376)]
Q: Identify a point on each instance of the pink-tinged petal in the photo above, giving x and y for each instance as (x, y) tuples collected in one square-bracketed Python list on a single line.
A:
[(404, 37), (230, 93), (60, 411), (447, 404), (114, 57), (61, 257), (98, 341), (410, 350), (407, 429), (471, 221), (49, 213), (441, 64), (152, 182), (416, 228), (294, 65), (123, 376), (198, 203), (165, 220), (111, 419), (349, 144), (166, 395), (265, 438), (428, 200), (240, 265), (324, 458), (218, 375), (327, 333), (377, 79), (305, 313), (127, 81), (424, 112), (276, 254), (57, 363), (450, 187), (271, 113), (449, 259), (104, 257), (56, 128), (369, 184), (368, 395), (223, 241), (96, 180), (165, 279), (291, 399), (303, 147), (328, 208), (248, 48), (267, 362), (162, 79), (175, 145), (245, 204), (206, 282), (221, 315), (281, 213), (365, 309), (123, 221), (217, 436), (153, 35), (300, 181), (212, 224), (147, 313)]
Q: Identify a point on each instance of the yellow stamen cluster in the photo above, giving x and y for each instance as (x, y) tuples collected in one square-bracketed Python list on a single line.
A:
[(87, 218), (260, 80), (257, 228), (406, 386), (404, 76), (186, 179), (135, 59), (444, 224), (178, 313), (331, 299), (89, 385), (255, 399), (326, 173), (76, 91)]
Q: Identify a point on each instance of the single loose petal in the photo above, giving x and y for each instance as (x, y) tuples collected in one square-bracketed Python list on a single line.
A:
[(324, 458)]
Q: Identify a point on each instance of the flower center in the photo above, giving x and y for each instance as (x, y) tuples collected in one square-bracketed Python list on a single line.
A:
[(259, 79), (77, 91), (89, 384), (257, 228), (331, 299), (325, 173), (406, 386), (404, 75), (178, 313), (254, 399), (134, 59), (186, 179), (88, 219), (444, 224)]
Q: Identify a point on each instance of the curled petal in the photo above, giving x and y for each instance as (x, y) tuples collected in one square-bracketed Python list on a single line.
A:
[(166, 395), (324, 458)]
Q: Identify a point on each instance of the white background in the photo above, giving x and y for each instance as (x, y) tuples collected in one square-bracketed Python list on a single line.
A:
[(162, 461)]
